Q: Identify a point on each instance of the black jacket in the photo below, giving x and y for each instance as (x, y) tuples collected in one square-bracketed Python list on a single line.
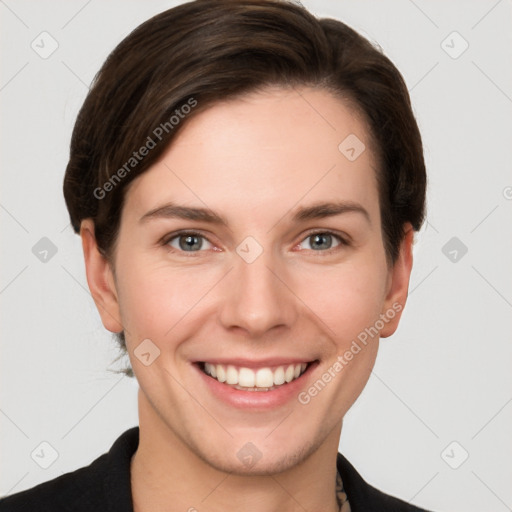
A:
[(104, 486)]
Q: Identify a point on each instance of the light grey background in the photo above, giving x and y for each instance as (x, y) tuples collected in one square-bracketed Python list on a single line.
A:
[(445, 376)]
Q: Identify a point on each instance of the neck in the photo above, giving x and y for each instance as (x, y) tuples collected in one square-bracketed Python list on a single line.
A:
[(167, 475)]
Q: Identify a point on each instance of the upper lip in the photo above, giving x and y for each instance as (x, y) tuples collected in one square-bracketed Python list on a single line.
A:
[(252, 363)]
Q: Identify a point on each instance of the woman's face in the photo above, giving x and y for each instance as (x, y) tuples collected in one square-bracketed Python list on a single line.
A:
[(258, 279)]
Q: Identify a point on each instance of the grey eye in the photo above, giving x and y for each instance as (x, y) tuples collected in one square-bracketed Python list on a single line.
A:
[(322, 241), (188, 242)]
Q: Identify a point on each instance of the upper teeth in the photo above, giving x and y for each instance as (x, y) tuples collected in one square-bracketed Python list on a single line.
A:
[(260, 378)]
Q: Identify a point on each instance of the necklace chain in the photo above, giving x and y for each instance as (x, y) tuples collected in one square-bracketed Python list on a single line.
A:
[(341, 495)]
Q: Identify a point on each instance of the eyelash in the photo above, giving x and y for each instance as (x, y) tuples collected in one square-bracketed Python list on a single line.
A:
[(343, 242)]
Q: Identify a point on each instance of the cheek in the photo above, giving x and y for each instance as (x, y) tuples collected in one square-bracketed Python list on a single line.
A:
[(348, 299), (155, 298)]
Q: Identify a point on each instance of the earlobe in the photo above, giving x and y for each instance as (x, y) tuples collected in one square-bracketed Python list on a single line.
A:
[(100, 279), (399, 284)]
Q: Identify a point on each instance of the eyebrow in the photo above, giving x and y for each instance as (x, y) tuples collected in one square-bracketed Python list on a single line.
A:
[(318, 210)]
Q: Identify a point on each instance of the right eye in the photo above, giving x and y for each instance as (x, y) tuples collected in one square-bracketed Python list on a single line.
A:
[(185, 241)]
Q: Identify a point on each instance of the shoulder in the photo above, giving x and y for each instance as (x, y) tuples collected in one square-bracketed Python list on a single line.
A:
[(92, 487), (365, 498)]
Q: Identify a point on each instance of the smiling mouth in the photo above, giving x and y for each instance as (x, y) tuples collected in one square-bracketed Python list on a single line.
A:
[(260, 379)]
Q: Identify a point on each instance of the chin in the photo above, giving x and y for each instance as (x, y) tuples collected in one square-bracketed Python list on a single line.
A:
[(250, 460)]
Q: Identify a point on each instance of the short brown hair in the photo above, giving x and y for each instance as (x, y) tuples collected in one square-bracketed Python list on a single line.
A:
[(210, 50)]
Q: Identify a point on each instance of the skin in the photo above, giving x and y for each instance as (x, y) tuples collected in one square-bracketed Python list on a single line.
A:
[(254, 160)]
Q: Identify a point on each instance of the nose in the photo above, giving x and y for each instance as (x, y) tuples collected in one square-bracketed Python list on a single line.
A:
[(256, 297)]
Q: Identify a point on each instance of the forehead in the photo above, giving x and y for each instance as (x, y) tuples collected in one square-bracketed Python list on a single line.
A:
[(264, 152)]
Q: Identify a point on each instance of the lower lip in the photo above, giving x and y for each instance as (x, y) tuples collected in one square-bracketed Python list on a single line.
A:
[(256, 399)]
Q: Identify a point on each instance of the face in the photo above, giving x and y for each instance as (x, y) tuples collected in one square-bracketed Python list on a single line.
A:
[(252, 314)]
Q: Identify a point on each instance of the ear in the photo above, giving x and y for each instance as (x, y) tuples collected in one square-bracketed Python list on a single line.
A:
[(398, 284), (100, 279)]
